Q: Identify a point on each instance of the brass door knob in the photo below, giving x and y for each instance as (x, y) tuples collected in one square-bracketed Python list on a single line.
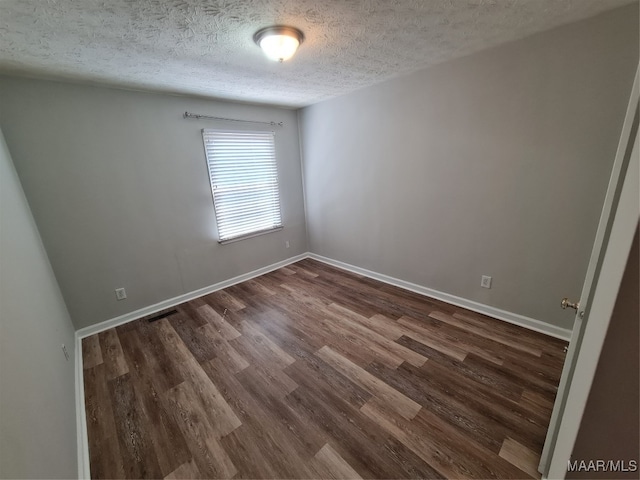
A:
[(566, 303)]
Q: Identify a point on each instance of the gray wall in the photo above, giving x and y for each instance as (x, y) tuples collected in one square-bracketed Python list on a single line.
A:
[(609, 427), (494, 164), (118, 186), (37, 401)]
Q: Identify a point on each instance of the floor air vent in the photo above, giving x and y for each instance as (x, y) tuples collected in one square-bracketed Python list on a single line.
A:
[(160, 316)]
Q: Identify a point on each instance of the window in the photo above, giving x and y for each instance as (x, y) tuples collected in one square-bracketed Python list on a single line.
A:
[(244, 181)]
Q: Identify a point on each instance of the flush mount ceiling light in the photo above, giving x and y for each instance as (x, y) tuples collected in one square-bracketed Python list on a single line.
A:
[(279, 42)]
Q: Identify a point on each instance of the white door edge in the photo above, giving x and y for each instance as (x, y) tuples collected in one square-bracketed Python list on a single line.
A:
[(607, 285)]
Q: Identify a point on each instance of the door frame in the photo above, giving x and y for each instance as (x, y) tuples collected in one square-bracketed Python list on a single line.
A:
[(607, 284)]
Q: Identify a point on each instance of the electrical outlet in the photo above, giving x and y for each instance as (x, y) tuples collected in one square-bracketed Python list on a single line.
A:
[(121, 294), (485, 282), (286, 243)]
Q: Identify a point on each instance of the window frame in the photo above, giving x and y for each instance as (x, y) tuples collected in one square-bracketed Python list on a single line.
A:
[(210, 165)]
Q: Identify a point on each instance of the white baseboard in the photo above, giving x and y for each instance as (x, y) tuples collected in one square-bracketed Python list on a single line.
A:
[(83, 444), (172, 302), (84, 471), (81, 420), (514, 318)]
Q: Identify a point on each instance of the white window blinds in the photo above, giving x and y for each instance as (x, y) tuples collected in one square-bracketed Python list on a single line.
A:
[(244, 181)]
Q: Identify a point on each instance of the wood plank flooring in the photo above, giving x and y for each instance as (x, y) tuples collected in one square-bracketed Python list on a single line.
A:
[(313, 372)]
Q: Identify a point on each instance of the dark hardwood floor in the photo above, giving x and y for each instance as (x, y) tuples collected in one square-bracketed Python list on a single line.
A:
[(314, 372)]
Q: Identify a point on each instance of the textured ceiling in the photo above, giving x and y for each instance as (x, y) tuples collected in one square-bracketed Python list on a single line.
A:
[(205, 47)]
